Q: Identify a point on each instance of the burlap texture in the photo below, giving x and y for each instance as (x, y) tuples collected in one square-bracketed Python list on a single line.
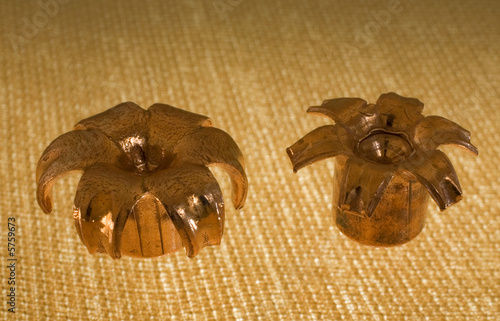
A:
[(254, 67)]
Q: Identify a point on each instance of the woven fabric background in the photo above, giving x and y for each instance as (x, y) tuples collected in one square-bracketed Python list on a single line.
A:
[(253, 66)]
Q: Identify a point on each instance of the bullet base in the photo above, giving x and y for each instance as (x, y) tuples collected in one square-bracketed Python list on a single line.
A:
[(398, 218)]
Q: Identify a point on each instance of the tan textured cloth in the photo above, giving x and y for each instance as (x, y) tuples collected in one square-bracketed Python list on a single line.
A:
[(254, 67)]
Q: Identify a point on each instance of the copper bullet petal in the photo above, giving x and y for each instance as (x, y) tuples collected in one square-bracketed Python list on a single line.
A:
[(104, 199), (340, 110), (213, 147), (433, 131), (145, 190), (435, 171), (322, 142), (194, 203), (73, 151)]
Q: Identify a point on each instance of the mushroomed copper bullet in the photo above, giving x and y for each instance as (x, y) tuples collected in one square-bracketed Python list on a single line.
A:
[(146, 190), (387, 163)]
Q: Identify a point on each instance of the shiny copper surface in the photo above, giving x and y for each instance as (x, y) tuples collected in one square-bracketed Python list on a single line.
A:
[(146, 190), (387, 163)]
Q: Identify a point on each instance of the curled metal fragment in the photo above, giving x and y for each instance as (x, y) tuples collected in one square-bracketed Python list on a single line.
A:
[(146, 190), (386, 163)]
